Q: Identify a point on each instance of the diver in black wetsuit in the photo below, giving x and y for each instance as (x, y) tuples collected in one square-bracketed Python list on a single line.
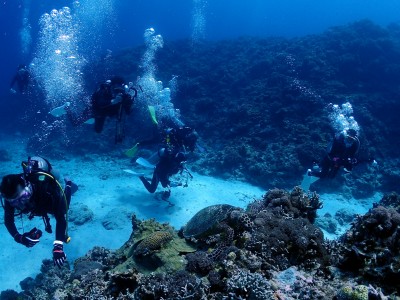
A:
[(183, 137), (112, 99), (37, 192), (170, 164), (341, 153), (21, 79), (172, 155)]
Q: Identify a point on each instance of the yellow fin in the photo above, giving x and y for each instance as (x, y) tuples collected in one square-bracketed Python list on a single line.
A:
[(152, 112), (132, 152)]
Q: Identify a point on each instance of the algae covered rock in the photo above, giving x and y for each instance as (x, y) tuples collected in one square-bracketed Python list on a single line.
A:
[(80, 214), (153, 247), (115, 219)]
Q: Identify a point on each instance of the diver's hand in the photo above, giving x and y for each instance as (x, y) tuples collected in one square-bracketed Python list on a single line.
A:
[(29, 239), (117, 99), (59, 257)]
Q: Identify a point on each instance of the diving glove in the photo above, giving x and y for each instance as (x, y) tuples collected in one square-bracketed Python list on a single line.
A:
[(29, 239), (59, 257)]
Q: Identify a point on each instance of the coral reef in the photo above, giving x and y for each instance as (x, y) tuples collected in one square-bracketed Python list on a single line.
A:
[(180, 285), (327, 223), (274, 252), (348, 292), (245, 285), (295, 204), (344, 216), (391, 200), (370, 248), (282, 221), (247, 99)]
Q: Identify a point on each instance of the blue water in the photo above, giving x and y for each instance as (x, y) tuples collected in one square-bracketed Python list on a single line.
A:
[(112, 25), (173, 20)]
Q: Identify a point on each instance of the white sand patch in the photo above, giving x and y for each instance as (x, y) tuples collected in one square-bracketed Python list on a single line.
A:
[(334, 202)]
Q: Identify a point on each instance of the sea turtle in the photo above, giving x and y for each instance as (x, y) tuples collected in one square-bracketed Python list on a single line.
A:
[(208, 221), (216, 219)]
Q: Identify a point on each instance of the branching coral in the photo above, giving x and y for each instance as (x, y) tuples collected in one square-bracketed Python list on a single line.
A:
[(371, 247), (245, 285), (180, 285)]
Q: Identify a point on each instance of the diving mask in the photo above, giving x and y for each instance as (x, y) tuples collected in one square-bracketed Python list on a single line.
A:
[(20, 201)]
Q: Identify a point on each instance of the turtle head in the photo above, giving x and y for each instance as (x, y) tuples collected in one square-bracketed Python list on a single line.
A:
[(238, 217)]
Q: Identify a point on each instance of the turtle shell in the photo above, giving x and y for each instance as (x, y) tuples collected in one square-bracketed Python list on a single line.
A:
[(206, 219)]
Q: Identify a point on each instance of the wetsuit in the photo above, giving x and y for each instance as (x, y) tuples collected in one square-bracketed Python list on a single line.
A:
[(101, 107), (340, 154), (170, 163), (22, 79), (47, 198)]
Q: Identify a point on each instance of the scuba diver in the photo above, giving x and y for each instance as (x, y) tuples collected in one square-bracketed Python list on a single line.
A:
[(38, 192), (113, 98), (183, 137), (342, 152), (172, 156), (170, 163), (21, 79)]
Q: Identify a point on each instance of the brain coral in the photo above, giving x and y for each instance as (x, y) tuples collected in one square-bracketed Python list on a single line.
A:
[(153, 242)]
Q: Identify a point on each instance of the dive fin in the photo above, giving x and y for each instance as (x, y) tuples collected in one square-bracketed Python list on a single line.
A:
[(74, 188), (307, 181), (60, 110), (89, 121), (145, 163), (132, 152), (152, 112), (133, 172)]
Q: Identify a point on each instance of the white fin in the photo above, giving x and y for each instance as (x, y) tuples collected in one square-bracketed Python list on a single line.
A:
[(307, 181), (133, 172), (145, 163), (89, 122)]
